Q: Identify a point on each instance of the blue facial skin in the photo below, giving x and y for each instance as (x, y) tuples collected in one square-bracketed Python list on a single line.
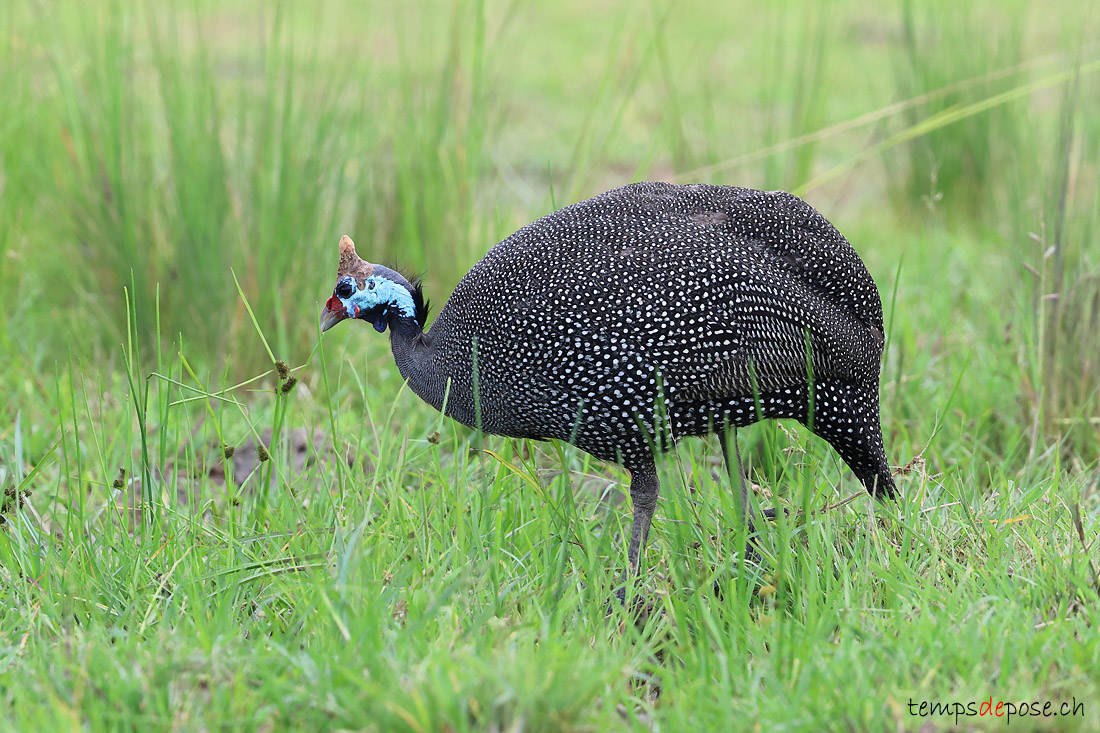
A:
[(375, 300)]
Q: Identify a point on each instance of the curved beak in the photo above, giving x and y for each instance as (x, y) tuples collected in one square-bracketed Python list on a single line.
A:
[(331, 316)]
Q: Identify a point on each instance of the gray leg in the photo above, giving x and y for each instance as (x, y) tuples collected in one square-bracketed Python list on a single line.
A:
[(644, 487), (746, 507), (746, 518)]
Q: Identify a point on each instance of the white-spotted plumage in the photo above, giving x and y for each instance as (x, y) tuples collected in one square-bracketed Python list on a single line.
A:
[(653, 312)]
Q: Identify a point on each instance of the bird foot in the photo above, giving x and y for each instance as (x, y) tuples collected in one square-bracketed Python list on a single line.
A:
[(640, 608), (752, 553)]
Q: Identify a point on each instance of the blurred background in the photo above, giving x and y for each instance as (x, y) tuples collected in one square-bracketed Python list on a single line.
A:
[(150, 152)]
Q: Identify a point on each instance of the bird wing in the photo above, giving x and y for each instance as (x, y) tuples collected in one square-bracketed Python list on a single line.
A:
[(748, 323), (767, 341), (764, 292)]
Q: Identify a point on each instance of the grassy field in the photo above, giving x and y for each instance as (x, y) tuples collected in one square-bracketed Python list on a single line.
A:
[(173, 183)]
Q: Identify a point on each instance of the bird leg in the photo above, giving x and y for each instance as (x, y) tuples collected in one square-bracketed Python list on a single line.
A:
[(746, 506), (746, 518), (644, 487)]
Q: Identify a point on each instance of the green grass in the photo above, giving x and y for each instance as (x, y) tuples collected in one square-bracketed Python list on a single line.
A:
[(173, 183)]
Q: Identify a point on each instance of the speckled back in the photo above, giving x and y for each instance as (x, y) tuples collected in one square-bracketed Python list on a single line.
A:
[(708, 293)]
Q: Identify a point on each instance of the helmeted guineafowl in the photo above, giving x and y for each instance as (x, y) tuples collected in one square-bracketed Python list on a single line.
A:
[(642, 315)]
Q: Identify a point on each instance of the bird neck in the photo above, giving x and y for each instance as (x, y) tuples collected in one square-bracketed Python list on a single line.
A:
[(429, 376), (412, 348), (407, 342)]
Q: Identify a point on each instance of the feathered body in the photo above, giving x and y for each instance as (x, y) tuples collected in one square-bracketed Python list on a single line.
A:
[(653, 312), (581, 318)]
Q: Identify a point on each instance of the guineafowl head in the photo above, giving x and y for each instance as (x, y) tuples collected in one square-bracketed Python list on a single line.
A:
[(373, 293)]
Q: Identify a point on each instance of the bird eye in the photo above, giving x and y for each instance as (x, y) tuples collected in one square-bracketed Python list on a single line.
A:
[(344, 288)]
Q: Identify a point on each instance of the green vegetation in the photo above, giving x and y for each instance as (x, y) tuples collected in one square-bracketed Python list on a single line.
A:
[(173, 183)]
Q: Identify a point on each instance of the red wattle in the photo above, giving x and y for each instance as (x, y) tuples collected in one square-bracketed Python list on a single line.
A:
[(335, 305)]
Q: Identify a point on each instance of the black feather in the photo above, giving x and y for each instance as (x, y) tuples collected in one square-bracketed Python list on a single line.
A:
[(654, 312), (423, 305)]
